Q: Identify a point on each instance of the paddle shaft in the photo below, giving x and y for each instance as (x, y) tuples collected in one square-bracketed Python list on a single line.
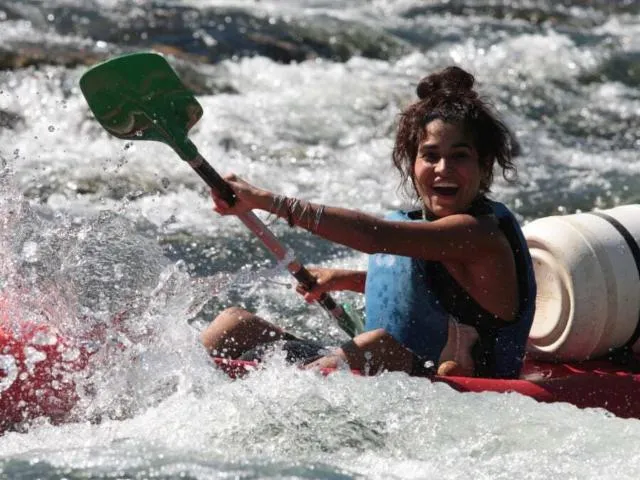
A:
[(253, 223), (140, 97)]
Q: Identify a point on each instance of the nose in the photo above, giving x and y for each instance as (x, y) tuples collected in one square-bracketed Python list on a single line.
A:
[(442, 165)]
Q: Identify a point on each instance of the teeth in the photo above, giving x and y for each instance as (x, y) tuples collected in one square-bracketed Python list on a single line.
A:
[(446, 185)]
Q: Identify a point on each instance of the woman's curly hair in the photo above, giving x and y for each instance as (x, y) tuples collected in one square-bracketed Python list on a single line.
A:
[(448, 95)]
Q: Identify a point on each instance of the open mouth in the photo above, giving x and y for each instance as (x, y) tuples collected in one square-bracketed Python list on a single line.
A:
[(446, 190)]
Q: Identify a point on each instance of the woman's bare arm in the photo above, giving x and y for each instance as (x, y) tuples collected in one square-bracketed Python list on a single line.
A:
[(458, 237)]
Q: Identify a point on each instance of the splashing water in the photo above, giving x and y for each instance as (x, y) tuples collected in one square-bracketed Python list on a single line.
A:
[(104, 309)]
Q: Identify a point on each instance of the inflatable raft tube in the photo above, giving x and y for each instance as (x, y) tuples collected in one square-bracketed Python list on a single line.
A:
[(35, 382), (589, 384)]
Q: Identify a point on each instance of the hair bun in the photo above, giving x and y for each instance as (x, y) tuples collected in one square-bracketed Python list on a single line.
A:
[(448, 81)]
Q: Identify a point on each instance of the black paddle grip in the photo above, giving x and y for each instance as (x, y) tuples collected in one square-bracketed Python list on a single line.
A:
[(214, 180), (305, 278)]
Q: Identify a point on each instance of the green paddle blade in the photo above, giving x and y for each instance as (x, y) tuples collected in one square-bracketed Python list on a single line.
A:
[(140, 97)]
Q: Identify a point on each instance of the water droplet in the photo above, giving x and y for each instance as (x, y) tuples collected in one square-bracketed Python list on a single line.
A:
[(33, 356), (44, 338), (9, 368), (71, 354)]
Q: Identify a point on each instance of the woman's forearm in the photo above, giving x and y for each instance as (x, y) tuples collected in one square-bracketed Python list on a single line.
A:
[(362, 232), (352, 280), (444, 239)]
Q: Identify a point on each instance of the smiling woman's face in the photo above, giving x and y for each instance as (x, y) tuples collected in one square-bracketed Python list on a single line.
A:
[(447, 170)]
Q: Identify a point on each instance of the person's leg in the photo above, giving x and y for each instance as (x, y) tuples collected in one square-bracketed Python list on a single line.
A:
[(236, 331)]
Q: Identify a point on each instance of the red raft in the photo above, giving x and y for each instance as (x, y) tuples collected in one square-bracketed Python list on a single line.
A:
[(36, 367), (36, 370), (589, 384)]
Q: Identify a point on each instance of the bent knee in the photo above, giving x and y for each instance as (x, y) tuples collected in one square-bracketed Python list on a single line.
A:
[(236, 330), (233, 314), (226, 321)]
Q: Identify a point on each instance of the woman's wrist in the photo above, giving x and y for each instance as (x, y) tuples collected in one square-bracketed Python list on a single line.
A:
[(293, 210), (276, 205)]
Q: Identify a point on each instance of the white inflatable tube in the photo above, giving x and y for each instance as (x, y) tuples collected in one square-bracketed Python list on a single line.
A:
[(588, 283)]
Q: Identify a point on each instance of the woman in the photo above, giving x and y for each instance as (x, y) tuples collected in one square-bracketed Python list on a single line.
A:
[(457, 265)]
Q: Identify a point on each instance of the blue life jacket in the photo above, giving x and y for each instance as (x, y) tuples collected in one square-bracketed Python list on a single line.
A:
[(413, 299)]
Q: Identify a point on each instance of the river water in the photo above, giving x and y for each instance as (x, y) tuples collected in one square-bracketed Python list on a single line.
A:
[(300, 97)]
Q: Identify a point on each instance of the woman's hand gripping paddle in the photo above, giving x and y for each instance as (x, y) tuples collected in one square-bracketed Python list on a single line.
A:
[(140, 97)]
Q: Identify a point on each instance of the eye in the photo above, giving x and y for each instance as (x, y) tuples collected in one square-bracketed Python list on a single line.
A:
[(463, 155), (430, 156)]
